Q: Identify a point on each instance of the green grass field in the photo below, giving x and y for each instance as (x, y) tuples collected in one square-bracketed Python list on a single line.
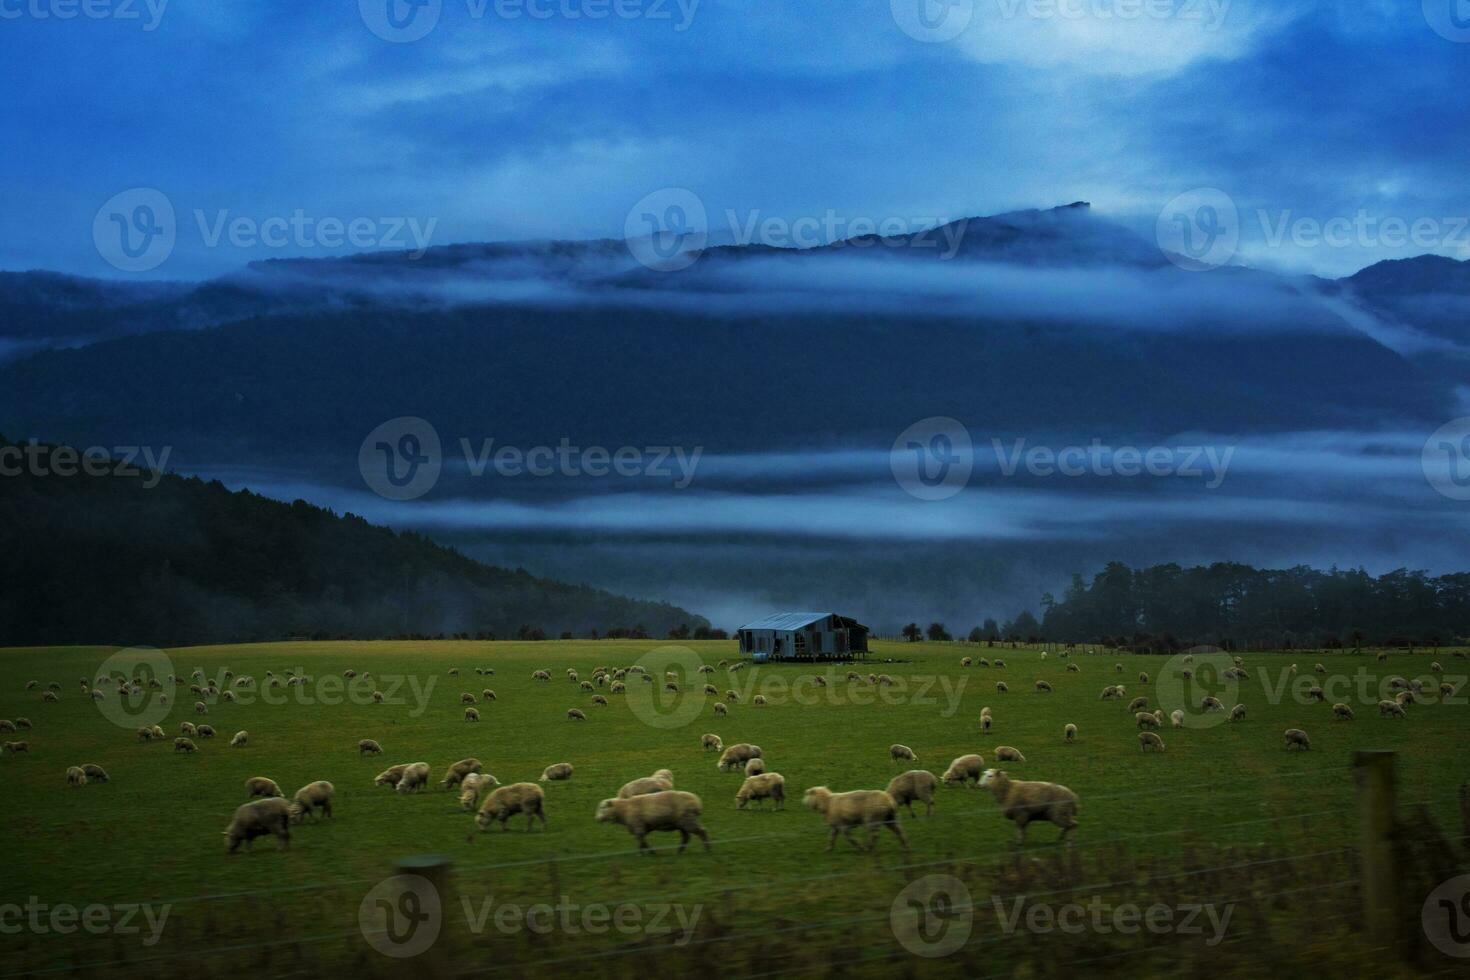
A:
[(153, 834)]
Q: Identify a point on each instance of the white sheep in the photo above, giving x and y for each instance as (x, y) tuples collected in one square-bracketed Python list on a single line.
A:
[(415, 777), (556, 772), (872, 809), (316, 797), (964, 770), (506, 801), (659, 782), (1297, 737), (708, 742), (75, 776), (671, 810), (1023, 802), (240, 740), (1149, 740), (916, 784), (734, 758), (760, 787), (897, 752), (1006, 753), (256, 819), (457, 773), (754, 767), (368, 746)]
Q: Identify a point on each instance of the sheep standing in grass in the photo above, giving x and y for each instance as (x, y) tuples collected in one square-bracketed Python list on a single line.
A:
[(1317, 695), (1148, 740), (916, 784), (1138, 704), (415, 777), (390, 776), (144, 734), (1001, 688), (1342, 711), (1069, 733), (471, 714), (1295, 736), (474, 784), (556, 772), (506, 801), (986, 720), (869, 808), (576, 714), (1237, 713), (964, 770), (200, 708), (720, 709), (6, 725), (262, 786), (1446, 690), (762, 786), (17, 747), (1112, 692), (257, 819), (1024, 802), (368, 746), (1177, 717), (1005, 753), (1391, 709), (670, 810), (240, 740), (95, 772), (660, 782), (901, 753), (456, 773), (1043, 687), (24, 724), (313, 796), (1213, 704), (185, 745), (1073, 669), (75, 776), (709, 742), (734, 758)]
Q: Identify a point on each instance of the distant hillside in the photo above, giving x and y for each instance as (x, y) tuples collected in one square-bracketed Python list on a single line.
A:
[(109, 560)]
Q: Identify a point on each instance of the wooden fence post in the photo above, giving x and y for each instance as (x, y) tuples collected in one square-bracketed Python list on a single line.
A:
[(1376, 806), (434, 963)]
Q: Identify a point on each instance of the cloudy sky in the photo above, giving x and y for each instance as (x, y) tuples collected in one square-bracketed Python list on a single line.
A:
[(471, 120)]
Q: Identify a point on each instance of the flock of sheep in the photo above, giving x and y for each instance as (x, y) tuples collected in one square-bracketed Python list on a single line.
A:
[(651, 804)]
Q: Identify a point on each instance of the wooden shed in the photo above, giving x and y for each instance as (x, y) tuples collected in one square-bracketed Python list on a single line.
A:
[(803, 636)]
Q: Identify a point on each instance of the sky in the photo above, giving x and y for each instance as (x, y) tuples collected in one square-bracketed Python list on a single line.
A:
[(1334, 134)]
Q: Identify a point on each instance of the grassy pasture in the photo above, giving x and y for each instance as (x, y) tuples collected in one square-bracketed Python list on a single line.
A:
[(153, 833)]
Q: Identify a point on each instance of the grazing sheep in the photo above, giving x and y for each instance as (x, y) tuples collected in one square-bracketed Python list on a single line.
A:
[(1295, 736), (32, 685), (466, 698), (390, 776), (762, 786), (15, 747), (1000, 687), (759, 701), (1006, 753), (75, 776), (708, 742), (1118, 668), (916, 784), (1447, 690), (471, 714), (1142, 677), (506, 801), (1070, 733), (1177, 717), (1043, 687), (1406, 698), (966, 661), (1391, 709), (1317, 695), (1213, 704), (647, 784), (754, 767), (1138, 704), (556, 772), (1022, 802), (986, 720), (618, 687), (1340, 710), (185, 745), (240, 740), (316, 796), (1319, 669), (204, 731), (256, 819), (734, 758), (1435, 667), (1146, 719), (576, 714), (903, 753), (1237, 713), (415, 777), (1397, 684), (474, 784), (1382, 657), (1113, 692), (187, 728), (732, 696), (95, 773), (1000, 663), (158, 731), (963, 770), (144, 734), (457, 772), (586, 686), (487, 695), (6, 725), (49, 696), (200, 708), (720, 709), (869, 808), (1148, 740), (598, 699), (1073, 669), (368, 746), (262, 786), (541, 675)]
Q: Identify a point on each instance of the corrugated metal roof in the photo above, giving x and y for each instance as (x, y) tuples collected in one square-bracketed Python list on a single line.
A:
[(786, 621)]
